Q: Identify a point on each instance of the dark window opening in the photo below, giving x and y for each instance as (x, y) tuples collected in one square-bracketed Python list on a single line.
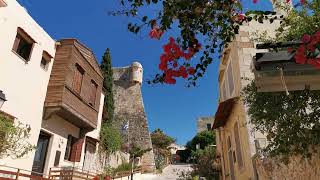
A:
[(23, 44), (70, 142), (57, 159), (208, 126), (46, 58), (44, 63)]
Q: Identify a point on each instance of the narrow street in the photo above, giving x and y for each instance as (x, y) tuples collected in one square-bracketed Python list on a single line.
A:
[(171, 172)]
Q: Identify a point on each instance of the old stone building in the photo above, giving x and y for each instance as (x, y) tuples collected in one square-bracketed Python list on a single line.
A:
[(129, 110), (204, 123)]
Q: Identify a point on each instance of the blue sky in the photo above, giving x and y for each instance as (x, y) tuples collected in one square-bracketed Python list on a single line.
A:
[(171, 108)]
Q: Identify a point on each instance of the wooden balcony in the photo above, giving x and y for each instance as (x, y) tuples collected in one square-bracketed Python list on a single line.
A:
[(75, 85)]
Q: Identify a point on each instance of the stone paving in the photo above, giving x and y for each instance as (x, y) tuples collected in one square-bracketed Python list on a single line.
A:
[(171, 172)]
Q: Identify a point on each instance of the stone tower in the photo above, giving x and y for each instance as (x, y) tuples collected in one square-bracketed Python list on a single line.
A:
[(129, 107)]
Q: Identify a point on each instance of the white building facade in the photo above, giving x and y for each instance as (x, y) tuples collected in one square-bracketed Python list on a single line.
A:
[(26, 65), (26, 58)]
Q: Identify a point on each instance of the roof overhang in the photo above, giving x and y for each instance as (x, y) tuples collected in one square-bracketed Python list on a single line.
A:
[(223, 112), (277, 70)]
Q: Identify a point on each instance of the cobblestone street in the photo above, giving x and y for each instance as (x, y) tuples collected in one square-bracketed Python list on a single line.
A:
[(171, 172)]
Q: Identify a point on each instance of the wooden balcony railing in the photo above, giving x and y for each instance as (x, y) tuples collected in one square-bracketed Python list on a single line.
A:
[(11, 173)]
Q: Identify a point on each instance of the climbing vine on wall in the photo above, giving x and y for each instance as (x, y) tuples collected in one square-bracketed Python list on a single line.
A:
[(291, 122)]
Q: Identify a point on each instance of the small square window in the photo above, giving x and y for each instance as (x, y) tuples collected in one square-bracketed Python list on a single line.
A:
[(23, 44), (46, 58), (208, 126), (44, 63)]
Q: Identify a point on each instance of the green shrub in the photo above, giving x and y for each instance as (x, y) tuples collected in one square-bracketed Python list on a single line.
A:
[(14, 139)]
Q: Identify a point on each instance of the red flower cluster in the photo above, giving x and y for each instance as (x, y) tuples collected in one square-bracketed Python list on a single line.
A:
[(239, 18), (309, 51), (168, 61), (155, 33)]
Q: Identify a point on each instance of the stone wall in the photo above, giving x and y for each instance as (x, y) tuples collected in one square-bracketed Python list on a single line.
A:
[(129, 107), (298, 168)]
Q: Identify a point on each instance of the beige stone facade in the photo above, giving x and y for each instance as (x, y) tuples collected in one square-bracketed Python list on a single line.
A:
[(236, 141)]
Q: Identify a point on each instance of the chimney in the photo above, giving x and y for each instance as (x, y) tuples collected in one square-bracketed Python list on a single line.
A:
[(282, 7)]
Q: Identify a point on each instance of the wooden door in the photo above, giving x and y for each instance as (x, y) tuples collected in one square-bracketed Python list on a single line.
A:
[(41, 153), (89, 159)]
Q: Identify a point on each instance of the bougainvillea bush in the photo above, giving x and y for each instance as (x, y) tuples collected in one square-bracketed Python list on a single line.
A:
[(205, 29)]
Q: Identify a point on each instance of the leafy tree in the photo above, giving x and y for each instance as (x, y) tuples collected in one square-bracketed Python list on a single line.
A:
[(291, 122), (300, 22), (160, 144), (160, 140), (135, 151), (110, 139), (205, 27), (206, 165), (14, 139), (106, 67), (204, 139)]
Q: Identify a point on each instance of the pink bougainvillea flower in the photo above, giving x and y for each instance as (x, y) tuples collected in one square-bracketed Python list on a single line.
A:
[(191, 71), (306, 38), (155, 33)]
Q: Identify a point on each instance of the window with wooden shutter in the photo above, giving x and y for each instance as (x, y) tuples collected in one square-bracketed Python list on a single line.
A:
[(238, 145), (76, 150), (93, 93), (77, 79), (23, 44)]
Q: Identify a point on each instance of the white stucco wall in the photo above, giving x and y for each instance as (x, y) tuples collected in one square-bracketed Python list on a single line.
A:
[(59, 129), (24, 84)]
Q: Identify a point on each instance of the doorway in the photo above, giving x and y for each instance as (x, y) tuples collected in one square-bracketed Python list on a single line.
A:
[(41, 152), (89, 158)]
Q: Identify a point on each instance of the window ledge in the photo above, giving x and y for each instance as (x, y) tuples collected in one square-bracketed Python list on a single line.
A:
[(26, 61)]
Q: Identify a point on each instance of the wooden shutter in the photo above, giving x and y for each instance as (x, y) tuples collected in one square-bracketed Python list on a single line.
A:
[(76, 150), (16, 43), (77, 80), (238, 145), (93, 92)]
